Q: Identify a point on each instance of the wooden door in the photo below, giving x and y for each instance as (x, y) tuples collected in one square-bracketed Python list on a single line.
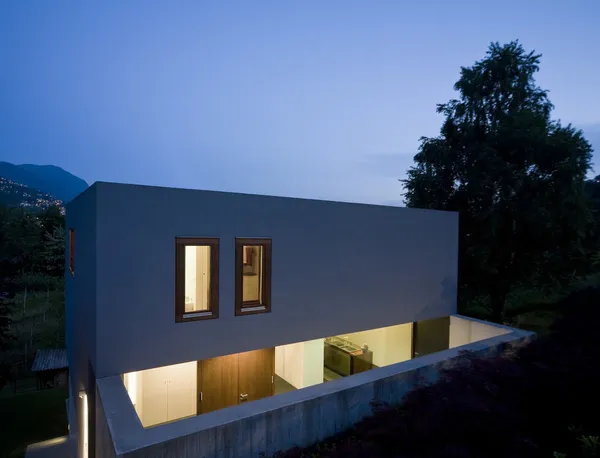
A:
[(217, 383), (256, 371), (430, 336)]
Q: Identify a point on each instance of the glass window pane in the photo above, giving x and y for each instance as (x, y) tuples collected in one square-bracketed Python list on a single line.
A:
[(252, 274), (197, 278)]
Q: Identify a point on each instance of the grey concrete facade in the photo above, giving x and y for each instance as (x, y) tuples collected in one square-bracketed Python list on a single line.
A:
[(80, 306), (297, 418), (337, 268)]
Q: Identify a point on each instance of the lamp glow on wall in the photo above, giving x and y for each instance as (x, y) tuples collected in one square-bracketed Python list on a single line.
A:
[(132, 386), (84, 401)]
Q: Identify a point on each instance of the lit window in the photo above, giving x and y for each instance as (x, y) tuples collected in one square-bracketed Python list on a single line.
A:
[(253, 276), (197, 279)]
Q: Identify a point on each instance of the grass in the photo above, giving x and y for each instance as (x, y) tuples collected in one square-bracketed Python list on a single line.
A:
[(31, 417)]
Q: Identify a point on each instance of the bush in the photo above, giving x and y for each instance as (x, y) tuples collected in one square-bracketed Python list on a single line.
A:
[(542, 401)]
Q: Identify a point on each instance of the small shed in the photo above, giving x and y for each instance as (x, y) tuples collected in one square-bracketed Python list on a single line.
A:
[(51, 368)]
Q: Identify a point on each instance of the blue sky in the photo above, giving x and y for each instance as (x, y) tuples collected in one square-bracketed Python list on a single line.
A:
[(318, 99)]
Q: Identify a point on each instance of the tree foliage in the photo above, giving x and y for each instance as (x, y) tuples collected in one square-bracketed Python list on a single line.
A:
[(31, 256), (515, 175), (31, 243), (6, 337)]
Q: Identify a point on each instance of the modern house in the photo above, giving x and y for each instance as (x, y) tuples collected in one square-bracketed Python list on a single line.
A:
[(205, 323)]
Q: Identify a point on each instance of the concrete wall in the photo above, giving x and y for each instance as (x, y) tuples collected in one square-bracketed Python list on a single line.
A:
[(277, 423), (465, 330), (337, 267), (104, 442), (80, 301)]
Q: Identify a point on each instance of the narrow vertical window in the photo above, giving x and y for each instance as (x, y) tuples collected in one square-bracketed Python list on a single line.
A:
[(252, 276), (72, 251), (196, 278)]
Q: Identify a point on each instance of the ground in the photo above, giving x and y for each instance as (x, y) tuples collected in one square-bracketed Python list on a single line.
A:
[(31, 417)]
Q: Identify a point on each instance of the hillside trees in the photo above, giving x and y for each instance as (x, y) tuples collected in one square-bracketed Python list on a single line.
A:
[(31, 257), (515, 175)]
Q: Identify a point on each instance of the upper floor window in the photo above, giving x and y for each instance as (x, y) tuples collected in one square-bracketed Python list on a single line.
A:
[(72, 251), (252, 276), (196, 278)]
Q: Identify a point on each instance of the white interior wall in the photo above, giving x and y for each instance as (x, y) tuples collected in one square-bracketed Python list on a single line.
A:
[(134, 385), (164, 393), (182, 390), (398, 343), (460, 332), (197, 275), (464, 331), (289, 363), (313, 362), (301, 363)]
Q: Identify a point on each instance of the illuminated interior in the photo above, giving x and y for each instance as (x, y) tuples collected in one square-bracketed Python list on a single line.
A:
[(252, 256), (170, 393), (197, 278)]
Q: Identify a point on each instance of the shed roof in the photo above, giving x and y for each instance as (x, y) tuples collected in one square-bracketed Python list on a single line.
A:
[(50, 359)]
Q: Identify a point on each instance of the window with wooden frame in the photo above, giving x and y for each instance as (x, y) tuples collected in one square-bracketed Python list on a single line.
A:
[(196, 279), (252, 276), (72, 251)]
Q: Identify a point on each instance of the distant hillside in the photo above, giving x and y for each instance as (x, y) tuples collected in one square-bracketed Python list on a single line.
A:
[(48, 179), (18, 195)]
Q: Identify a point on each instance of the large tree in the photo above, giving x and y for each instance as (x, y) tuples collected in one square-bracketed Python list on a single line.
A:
[(515, 175)]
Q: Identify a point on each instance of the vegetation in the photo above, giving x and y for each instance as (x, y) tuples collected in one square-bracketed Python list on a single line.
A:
[(515, 175), (31, 287), (31, 417), (31, 317)]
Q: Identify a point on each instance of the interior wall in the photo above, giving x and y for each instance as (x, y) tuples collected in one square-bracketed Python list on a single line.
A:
[(460, 332), (164, 393), (390, 345), (398, 343), (289, 363), (197, 275), (313, 362), (464, 331), (301, 363), (134, 385)]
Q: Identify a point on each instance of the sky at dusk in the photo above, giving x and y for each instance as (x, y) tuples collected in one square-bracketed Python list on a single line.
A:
[(318, 99)]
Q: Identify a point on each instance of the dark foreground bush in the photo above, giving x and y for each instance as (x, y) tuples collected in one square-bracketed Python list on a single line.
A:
[(542, 401)]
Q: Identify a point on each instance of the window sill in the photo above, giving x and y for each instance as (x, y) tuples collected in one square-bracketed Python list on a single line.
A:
[(196, 316), (251, 310)]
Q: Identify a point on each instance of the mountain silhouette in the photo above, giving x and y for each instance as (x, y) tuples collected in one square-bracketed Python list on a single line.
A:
[(48, 179)]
